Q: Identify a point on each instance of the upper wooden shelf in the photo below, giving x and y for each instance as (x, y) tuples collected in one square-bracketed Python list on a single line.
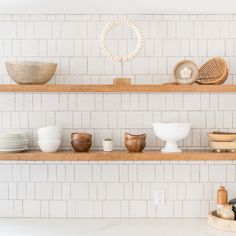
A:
[(118, 156), (144, 88)]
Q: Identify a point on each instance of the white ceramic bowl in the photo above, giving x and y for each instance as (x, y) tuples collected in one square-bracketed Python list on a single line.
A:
[(50, 129), (49, 140), (49, 136), (171, 133), (49, 145)]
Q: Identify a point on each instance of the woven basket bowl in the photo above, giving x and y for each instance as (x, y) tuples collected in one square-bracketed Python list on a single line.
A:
[(28, 72), (222, 137), (189, 65), (214, 71)]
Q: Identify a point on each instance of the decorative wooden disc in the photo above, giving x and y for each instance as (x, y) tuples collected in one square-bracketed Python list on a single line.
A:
[(214, 71)]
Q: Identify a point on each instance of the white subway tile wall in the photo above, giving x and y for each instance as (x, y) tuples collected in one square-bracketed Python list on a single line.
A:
[(115, 189)]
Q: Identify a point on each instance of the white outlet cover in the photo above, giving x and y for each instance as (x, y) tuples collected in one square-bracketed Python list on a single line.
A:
[(159, 197)]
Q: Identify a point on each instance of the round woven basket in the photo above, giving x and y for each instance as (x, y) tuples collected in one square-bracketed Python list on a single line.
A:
[(31, 72), (190, 66), (214, 71)]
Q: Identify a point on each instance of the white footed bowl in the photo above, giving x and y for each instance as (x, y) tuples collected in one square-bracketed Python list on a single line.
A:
[(49, 146), (171, 133)]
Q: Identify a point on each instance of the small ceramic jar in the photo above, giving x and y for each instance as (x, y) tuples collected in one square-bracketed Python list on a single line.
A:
[(227, 212), (107, 145), (222, 199)]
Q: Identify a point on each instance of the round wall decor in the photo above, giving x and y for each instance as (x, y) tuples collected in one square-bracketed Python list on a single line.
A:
[(131, 55)]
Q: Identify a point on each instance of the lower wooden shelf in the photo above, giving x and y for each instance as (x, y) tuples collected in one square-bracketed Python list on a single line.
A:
[(135, 88), (117, 156)]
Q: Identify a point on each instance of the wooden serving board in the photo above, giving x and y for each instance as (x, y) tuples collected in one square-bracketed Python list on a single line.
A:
[(221, 224)]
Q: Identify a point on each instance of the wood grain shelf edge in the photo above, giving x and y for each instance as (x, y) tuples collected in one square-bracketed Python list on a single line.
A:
[(117, 156), (117, 88)]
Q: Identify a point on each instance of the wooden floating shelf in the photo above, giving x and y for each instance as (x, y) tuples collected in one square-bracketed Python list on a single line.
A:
[(141, 88), (117, 156)]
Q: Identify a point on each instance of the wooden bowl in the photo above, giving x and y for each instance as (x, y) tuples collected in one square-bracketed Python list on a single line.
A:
[(81, 136), (135, 145), (135, 136), (81, 146), (222, 137)]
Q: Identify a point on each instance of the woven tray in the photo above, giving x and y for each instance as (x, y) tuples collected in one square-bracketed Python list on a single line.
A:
[(222, 136), (223, 146), (214, 71), (222, 224)]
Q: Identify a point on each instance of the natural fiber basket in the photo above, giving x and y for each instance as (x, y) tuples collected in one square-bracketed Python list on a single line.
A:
[(214, 71), (222, 136), (31, 72), (182, 65), (221, 224)]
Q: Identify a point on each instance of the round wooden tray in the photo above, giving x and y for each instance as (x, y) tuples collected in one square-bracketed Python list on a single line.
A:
[(219, 223)]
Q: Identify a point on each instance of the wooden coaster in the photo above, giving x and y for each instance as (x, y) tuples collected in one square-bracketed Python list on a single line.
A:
[(122, 81)]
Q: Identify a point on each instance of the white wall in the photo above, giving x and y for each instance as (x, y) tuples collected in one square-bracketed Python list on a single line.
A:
[(115, 189), (121, 6)]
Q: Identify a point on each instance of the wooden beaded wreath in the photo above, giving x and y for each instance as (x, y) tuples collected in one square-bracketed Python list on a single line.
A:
[(112, 25)]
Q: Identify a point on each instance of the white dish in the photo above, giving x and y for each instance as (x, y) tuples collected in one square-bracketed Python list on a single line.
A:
[(171, 133), (19, 142), (48, 137), (49, 146), (12, 134), (49, 130), (48, 140), (12, 146), (15, 150)]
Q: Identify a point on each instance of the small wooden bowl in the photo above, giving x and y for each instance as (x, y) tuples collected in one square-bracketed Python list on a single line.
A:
[(135, 136), (81, 146), (135, 145), (81, 136)]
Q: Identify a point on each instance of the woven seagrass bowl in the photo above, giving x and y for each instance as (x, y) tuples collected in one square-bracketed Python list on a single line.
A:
[(214, 71), (30, 72)]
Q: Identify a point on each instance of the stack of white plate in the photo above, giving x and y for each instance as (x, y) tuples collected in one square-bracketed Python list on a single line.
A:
[(12, 141)]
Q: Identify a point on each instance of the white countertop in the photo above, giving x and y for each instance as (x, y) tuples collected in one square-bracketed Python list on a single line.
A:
[(108, 227)]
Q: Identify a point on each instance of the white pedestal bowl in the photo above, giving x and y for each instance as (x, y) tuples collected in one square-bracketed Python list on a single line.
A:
[(171, 133)]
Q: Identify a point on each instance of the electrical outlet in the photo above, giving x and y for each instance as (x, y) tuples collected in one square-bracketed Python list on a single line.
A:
[(159, 197)]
